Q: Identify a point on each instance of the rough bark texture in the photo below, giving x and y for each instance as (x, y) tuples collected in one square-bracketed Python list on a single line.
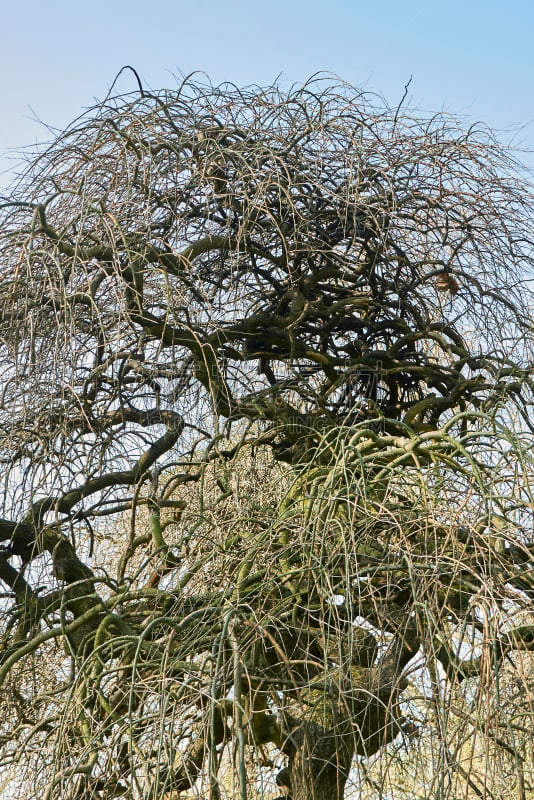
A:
[(319, 760)]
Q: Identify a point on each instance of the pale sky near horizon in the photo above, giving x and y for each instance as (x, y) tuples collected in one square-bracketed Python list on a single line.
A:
[(473, 58)]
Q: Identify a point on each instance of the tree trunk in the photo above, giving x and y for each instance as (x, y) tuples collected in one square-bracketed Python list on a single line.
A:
[(319, 761)]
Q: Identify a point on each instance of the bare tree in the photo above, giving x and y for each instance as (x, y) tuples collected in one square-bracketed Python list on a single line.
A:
[(266, 467)]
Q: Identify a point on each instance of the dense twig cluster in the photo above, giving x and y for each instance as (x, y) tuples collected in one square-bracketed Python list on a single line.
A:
[(190, 282)]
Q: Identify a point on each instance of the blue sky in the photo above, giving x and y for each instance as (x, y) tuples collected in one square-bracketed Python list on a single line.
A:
[(473, 58)]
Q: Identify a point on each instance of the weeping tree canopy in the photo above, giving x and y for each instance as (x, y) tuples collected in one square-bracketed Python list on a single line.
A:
[(266, 476)]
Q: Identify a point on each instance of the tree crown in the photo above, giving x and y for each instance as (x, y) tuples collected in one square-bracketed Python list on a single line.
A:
[(193, 282)]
